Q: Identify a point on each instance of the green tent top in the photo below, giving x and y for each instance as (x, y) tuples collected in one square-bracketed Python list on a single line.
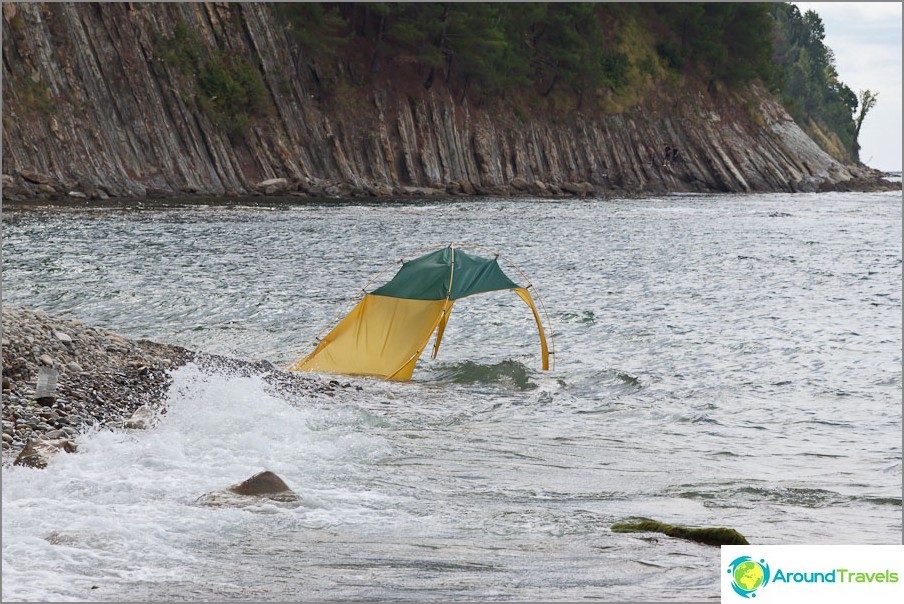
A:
[(428, 277)]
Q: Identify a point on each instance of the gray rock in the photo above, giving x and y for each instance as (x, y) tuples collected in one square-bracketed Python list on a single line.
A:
[(35, 177), (272, 182), (539, 188), (577, 188)]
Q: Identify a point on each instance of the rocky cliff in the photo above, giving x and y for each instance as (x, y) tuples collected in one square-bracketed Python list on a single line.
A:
[(92, 108)]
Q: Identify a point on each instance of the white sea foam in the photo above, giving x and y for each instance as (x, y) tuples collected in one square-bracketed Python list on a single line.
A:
[(123, 509)]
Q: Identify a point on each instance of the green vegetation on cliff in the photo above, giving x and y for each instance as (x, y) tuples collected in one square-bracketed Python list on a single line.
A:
[(230, 90), (542, 57), (540, 48), (819, 102)]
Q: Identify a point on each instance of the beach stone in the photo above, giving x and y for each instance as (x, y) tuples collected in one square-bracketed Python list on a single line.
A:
[(46, 359), (141, 419), (37, 453), (73, 367), (63, 337)]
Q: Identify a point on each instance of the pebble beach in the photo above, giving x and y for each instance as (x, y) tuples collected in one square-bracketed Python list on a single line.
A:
[(102, 378)]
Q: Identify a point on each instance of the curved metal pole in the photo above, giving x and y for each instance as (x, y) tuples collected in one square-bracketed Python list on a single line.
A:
[(550, 337)]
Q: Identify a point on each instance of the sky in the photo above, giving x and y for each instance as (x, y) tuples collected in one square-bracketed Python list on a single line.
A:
[(866, 40)]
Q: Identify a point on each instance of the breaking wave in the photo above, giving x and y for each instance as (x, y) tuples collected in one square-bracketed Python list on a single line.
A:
[(508, 374)]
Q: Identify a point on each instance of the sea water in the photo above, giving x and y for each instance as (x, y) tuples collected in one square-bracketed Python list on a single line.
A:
[(720, 361)]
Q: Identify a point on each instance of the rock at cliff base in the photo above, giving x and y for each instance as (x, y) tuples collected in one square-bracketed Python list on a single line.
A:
[(519, 184), (36, 177)]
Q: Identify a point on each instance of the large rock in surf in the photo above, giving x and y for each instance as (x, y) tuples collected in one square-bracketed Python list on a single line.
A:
[(263, 485)]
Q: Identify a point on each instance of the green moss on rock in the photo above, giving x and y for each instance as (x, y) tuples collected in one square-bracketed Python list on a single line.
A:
[(707, 536)]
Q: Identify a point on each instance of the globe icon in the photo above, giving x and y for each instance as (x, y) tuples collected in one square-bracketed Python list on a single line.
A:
[(748, 575)]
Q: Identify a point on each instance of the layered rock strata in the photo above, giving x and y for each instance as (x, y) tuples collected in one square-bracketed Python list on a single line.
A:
[(93, 109)]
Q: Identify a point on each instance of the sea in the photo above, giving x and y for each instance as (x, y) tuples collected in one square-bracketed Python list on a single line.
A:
[(720, 361)]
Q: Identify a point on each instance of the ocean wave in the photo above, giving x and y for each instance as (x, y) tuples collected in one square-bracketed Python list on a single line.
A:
[(508, 374)]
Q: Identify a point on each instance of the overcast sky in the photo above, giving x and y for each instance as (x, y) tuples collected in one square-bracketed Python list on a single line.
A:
[(866, 40)]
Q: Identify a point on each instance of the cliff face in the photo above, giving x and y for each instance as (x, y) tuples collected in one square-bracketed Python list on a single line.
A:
[(92, 108)]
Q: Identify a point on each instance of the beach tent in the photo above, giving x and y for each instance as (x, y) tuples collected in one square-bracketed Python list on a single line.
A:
[(388, 329)]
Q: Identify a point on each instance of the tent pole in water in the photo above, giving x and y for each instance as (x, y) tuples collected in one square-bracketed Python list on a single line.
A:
[(446, 308), (552, 343), (530, 285)]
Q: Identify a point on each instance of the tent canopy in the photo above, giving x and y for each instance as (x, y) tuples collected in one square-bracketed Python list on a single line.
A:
[(386, 332), (430, 277)]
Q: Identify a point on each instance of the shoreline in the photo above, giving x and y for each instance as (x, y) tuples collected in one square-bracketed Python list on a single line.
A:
[(103, 377), (879, 184)]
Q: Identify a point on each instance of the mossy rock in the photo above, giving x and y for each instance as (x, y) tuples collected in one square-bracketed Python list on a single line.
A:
[(707, 536)]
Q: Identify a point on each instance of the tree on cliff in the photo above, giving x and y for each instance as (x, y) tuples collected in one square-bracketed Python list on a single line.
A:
[(540, 48), (812, 93), (721, 41), (868, 100)]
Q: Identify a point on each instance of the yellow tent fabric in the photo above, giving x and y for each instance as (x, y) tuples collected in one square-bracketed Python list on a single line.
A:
[(381, 336)]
